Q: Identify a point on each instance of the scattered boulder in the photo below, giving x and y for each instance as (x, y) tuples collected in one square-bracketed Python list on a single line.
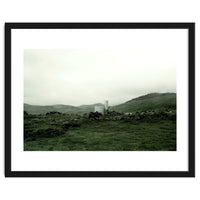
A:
[(95, 115), (53, 113)]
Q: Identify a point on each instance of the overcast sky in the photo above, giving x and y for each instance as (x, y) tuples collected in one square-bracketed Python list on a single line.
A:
[(77, 77)]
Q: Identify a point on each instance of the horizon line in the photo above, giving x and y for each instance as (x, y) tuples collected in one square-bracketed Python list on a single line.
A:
[(99, 102)]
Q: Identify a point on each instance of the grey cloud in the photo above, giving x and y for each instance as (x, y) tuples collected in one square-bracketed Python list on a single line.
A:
[(76, 77)]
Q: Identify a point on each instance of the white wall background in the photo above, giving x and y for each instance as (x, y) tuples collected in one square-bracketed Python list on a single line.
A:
[(101, 11)]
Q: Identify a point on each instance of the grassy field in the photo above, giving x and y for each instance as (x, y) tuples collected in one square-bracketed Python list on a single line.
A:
[(146, 123), (47, 133)]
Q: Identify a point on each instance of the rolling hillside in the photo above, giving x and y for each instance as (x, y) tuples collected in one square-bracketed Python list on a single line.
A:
[(35, 109), (153, 101)]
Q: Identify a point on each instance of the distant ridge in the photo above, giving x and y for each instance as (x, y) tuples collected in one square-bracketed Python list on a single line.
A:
[(152, 101), (37, 109), (152, 95)]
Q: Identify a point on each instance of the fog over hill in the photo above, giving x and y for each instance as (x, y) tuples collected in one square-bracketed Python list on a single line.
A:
[(86, 76)]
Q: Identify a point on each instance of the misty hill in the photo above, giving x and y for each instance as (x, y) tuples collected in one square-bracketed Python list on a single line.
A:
[(36, 109), (153, 101)]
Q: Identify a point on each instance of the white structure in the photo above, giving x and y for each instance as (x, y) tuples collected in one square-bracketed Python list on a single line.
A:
[(99, 109), (106, 105)]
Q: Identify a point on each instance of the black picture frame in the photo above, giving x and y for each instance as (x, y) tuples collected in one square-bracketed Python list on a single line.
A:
[(191, 99)]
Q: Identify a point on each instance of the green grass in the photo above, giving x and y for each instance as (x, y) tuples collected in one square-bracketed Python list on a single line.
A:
[(146, 131), (159, 135)]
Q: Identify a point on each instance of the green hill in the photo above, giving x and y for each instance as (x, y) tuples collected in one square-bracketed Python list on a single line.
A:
[(37, 109), (153, 101)]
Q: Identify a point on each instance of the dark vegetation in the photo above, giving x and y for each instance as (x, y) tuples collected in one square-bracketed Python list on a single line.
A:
[(137, 130)]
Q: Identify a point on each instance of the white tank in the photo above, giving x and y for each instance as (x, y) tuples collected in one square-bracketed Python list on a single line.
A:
[(99, 109), (106, 105)]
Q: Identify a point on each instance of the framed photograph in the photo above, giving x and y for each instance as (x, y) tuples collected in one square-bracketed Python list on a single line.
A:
[(99, 99)]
